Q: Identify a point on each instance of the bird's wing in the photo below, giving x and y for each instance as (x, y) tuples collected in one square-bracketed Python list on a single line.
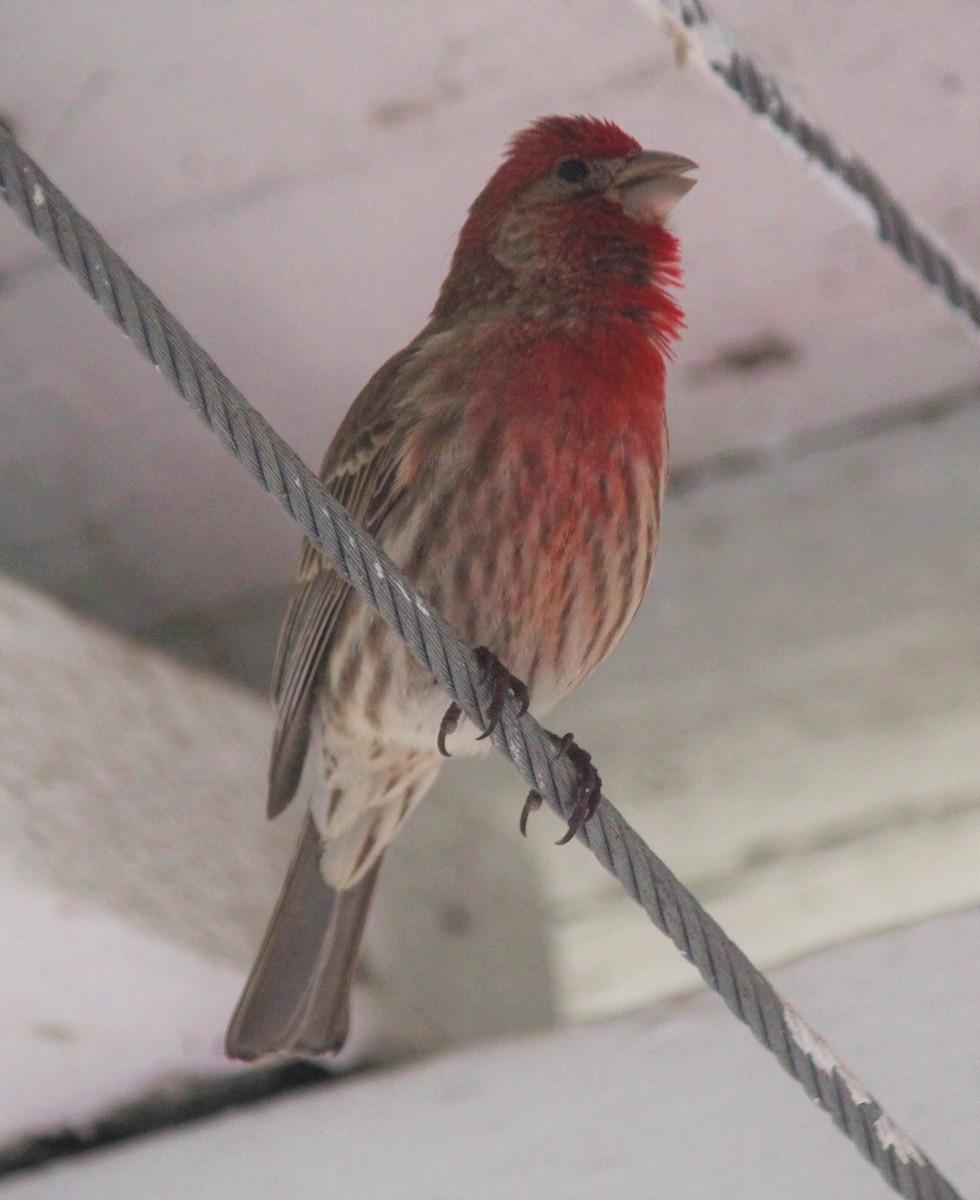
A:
[(361, 470)]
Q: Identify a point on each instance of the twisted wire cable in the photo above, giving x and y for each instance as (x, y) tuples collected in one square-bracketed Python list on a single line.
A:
[(131, 305), (921, 248)]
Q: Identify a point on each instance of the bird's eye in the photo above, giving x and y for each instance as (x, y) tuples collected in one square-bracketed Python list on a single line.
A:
[(573, 170)]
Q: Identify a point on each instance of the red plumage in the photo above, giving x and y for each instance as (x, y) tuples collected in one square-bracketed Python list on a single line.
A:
[(512, 460)]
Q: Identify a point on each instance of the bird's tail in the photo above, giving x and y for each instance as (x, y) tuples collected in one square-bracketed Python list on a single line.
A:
[(297, 998)]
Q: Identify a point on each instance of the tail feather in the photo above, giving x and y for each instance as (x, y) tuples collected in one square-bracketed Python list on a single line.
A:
[(297, 998)]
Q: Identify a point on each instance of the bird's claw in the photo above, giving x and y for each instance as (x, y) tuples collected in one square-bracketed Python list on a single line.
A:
[(503, 682), (588, 793), (449, 724), (531, 804), (589, 790), (562, 744), (493, 670)]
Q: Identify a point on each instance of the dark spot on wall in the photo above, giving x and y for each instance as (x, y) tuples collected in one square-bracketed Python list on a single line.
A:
[(455, 919), (445, 91), (951, 83), (52, 1031), (711, 531), (392, 113), (759, 353)]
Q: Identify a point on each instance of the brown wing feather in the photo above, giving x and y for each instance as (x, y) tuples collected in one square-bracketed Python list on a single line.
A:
[(360, 469)]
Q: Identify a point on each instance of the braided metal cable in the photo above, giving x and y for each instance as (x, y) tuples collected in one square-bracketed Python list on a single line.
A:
[(130, 304), (918, 246)]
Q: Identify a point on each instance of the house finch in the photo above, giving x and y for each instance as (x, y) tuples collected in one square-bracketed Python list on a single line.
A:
[(512, 460)]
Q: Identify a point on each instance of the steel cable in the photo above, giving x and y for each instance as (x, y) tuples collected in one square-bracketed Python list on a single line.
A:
[(724, 57)]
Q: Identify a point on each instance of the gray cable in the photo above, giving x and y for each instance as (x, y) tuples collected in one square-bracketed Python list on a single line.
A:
[(130, 304), (761, 92)]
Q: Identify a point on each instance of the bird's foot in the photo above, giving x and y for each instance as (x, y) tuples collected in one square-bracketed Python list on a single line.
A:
[(448, 725), (588, 792), (531, 804), (494, 671)]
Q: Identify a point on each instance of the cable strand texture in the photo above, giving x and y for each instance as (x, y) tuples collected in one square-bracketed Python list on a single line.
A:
[(757, 88), (130, 304)]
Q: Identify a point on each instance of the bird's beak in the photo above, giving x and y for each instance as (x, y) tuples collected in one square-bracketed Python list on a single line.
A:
[(650, 183)]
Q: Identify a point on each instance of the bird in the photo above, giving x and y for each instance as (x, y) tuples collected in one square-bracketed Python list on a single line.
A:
[(512, 460)]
